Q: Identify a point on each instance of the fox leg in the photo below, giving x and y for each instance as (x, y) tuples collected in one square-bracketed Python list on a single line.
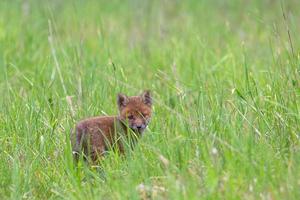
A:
[(97, 153), (121, 149)]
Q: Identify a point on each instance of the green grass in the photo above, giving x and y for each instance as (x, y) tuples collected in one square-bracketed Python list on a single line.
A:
[(226, 83)]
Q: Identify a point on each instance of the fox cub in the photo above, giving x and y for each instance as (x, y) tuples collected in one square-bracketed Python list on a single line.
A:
[(95, 136)]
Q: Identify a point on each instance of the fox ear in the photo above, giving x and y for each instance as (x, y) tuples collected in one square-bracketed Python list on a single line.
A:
[(122, 100), (146, 96)]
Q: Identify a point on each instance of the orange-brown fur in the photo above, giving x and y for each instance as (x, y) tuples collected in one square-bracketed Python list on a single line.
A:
[(94, 136)]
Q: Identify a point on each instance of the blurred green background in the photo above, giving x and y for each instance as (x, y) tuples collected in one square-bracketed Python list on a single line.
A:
[(225, 81)]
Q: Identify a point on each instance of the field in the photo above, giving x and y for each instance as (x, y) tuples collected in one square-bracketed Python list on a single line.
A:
[(225, 77)]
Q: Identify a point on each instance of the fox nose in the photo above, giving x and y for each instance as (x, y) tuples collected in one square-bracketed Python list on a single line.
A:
[(139, 127)]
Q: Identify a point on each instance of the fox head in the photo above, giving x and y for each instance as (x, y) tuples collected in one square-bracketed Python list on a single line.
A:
[(135, 110)]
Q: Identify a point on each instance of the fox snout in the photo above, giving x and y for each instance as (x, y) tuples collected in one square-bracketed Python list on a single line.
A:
[(140, 127)]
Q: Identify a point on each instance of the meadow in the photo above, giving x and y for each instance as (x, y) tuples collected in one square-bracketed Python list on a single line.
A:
[(225, 77)]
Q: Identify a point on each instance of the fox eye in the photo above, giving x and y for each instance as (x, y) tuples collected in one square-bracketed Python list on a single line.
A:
[(130, 116)]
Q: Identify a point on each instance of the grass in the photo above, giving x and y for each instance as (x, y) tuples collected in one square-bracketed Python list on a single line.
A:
[(225, 79)]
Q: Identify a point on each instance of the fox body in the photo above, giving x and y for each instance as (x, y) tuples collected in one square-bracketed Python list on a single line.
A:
[(94, 136)]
